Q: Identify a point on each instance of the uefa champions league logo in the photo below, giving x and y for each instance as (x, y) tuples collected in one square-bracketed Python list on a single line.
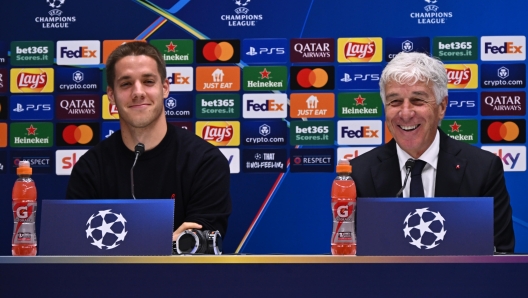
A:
[(106, 229), (425, 228), (55, 3)]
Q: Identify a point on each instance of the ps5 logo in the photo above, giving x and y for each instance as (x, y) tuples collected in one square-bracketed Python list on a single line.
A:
[(346, 78), (32, 107), (462, 103), (366, 77), (265, 51), (110, 132)]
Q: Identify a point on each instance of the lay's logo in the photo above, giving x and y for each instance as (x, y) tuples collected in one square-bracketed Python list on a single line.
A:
[(31, 80), (359, 49), (462, 76), (219, 133)]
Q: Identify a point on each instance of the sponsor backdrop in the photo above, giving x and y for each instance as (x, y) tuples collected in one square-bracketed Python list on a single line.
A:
[(284, 88)]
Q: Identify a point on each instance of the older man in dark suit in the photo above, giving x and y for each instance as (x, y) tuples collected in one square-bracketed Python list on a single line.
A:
[(413, 88)]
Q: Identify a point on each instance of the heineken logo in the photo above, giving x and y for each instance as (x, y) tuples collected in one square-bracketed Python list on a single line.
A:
[(175, 51), (367, 104), (267, 78), (31, 134)]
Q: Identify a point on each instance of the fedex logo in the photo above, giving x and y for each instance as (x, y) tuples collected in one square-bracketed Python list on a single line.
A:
[(66, 159), (81, 52), (267, 105), (78, 52), (359, 132), (363, 132), (502, 48), (506, 48), (180, 78), (513, 157)]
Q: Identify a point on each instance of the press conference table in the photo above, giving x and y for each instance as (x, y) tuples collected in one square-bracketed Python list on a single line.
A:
[(264, 276)]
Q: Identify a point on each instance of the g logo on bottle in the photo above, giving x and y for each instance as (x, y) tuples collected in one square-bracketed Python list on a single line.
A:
[(21, 212), (343, 209)]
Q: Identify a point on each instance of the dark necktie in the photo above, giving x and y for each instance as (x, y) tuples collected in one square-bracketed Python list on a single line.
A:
[(417, 189)]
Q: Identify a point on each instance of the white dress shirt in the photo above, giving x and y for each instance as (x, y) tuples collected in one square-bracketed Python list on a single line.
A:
[(430, 156)]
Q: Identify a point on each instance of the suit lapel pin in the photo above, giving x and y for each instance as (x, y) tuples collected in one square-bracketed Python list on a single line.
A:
[(457, 167)]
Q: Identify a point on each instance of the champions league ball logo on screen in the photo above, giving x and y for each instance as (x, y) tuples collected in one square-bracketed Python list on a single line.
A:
[(55, 19), (242, 18), (425, 228), (106, 229), (432, 14)]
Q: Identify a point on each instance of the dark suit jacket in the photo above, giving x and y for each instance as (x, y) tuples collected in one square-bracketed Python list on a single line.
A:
[(481, 174)]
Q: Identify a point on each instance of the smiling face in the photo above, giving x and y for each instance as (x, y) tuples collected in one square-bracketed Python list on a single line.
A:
[(138, 92), (412, 115)]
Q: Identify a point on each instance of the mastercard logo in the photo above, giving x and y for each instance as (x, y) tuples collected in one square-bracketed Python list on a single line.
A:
[(312, 77), (222, 51), (507, 131), (504, 131), (219, 51), (85, 134)]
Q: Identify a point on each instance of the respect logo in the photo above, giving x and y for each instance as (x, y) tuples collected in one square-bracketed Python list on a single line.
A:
[(462, 76), (359, 49), (31, 80), (218, 133)]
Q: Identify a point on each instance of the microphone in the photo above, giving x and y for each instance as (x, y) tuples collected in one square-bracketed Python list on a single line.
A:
[(409, 165), (139, 149)]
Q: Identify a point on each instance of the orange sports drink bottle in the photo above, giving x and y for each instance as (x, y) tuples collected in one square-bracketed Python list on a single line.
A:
[(343, 210), (24, 241)]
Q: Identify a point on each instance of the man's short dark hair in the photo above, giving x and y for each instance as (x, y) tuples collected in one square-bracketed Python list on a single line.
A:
[(134, 48)]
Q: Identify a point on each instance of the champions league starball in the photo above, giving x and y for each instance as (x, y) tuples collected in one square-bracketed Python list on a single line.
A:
[(106, 229), (55, 3), (424, 228)]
